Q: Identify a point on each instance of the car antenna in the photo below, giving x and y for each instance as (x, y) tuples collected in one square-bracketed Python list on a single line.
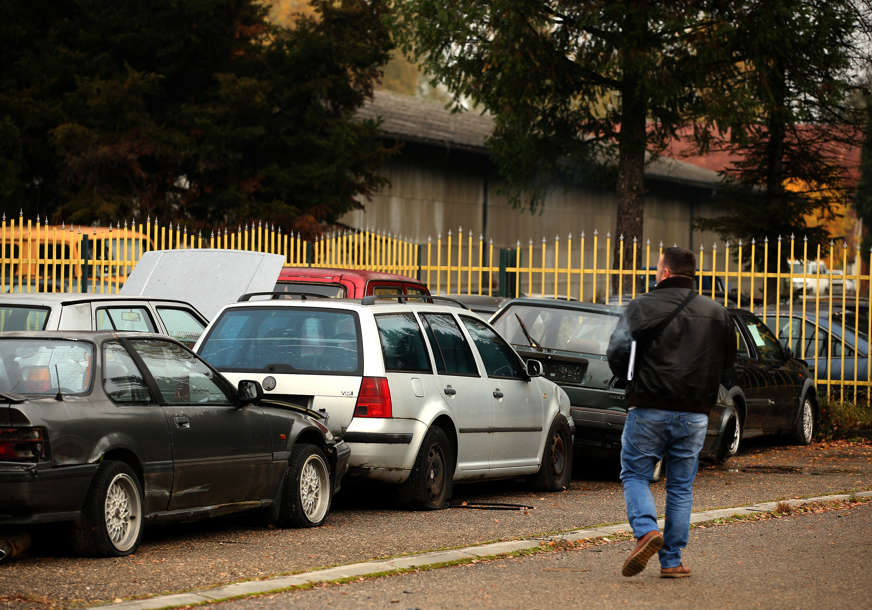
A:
[(59, 396)]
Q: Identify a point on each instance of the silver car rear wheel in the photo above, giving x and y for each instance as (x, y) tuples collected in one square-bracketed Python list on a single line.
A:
[(111, 523), (122, 512)]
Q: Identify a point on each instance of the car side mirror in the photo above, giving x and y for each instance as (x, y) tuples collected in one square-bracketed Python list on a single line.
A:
[(534, 368), (788, 353), (248, 391)]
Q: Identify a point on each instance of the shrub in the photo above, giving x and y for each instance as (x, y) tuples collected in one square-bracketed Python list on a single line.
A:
[(844, 419)]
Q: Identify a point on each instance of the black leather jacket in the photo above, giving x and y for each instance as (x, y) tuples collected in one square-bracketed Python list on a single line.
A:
[(681, 368)]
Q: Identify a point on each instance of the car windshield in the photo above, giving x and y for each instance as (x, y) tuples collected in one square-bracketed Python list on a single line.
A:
[(45, 366), (557, 328), (20, 317), (284, 340)]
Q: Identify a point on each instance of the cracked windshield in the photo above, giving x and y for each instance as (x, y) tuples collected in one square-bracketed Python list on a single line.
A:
[(557, 329)]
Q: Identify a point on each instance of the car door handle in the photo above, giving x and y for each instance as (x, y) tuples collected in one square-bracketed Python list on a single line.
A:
[(498, 393), (449, 391), (182, 422)]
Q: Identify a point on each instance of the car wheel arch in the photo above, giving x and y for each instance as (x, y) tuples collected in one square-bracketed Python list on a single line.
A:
[(809, 391), (740, 405), (444, 422), (313, 436), (127, 456)]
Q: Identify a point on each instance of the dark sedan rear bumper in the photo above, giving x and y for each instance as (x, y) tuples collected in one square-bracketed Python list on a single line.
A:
[(598, 431), (37, 493)]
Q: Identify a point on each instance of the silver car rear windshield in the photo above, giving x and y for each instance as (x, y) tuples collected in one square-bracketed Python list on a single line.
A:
[(285, 340), (570, 330), (45, 366), (22, 317)]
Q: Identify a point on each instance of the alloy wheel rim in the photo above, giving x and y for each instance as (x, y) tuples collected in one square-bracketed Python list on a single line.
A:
[(122, 511), (737, 436), (314, 488), (807, 420)]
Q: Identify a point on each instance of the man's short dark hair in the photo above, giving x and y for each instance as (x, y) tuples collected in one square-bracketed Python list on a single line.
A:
[(679, 261)]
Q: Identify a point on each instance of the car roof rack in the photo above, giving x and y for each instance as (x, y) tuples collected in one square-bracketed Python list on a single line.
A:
[(303, 296), (435, 298)]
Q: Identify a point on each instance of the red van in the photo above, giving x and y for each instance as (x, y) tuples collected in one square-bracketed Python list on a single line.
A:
[(348, 283)]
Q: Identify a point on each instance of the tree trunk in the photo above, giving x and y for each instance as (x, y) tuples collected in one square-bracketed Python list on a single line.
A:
[(632, 142), (775, 163)]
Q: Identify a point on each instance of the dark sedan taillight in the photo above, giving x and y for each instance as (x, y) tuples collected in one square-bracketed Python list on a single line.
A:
[(22, 443), (374, 398)]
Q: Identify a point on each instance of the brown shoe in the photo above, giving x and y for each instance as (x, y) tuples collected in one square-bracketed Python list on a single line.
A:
[(678, 571), (647, 545)]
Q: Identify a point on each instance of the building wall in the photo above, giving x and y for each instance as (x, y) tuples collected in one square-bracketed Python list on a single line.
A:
[(432, 194)]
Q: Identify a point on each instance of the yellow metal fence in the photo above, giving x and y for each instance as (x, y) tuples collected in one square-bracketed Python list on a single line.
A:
[(823, 316)]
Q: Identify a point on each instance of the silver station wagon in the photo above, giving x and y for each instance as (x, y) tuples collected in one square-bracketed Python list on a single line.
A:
[(85, 311), (424, 394)]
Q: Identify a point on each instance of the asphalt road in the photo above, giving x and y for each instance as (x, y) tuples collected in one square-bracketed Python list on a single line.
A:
[(366, 524), (803, 561)]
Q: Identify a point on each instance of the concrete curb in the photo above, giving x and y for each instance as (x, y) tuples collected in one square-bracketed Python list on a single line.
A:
[(496, 549)]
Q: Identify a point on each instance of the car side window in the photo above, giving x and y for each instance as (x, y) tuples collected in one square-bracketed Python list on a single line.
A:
[(125, 318), (450, 349), (837, 349), (181, 377), (402, 343), (122, 379), (801, 346), (499, 359), (768, 347), (182, 325)]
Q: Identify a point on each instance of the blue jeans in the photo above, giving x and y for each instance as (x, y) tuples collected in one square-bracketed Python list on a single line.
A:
[(677, 438)]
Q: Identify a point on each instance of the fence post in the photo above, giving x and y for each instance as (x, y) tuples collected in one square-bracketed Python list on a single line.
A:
[(419, 258), (86, 262), (508, 258)]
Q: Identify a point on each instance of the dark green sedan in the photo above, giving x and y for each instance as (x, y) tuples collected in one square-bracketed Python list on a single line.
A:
[(108, 431)]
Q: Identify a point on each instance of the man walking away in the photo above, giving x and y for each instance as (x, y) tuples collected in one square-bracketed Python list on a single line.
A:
[(683, 343)]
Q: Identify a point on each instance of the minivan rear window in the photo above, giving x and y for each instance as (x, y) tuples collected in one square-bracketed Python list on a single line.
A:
[(285, 340), (335, 291)]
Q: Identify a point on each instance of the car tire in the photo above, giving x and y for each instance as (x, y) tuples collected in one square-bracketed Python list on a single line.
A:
[(803, 427), (112, 519), (555, 472), (733, 440), (429, 484), (308, 488)]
